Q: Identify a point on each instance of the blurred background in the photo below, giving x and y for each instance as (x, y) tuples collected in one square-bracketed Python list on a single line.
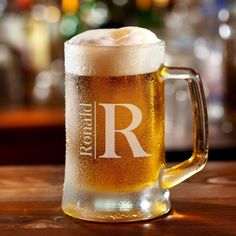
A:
[(198, 34)]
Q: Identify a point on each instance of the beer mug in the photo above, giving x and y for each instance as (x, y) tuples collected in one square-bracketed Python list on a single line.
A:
[(115, 152)]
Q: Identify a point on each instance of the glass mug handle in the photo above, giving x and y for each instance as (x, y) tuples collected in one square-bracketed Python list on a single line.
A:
[(178, 173)]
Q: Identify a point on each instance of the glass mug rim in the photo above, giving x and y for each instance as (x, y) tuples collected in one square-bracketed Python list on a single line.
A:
[(160, 43)]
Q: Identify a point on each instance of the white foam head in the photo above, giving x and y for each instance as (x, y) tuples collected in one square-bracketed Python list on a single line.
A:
[(114, 52)]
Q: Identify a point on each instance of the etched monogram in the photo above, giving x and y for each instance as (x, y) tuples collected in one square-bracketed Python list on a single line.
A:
[(88, 120)]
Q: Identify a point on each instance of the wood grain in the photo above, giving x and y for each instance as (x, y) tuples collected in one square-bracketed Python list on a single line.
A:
[(203, 205)]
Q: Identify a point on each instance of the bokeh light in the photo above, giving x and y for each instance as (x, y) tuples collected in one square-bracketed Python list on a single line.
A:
[(223, 14), (120, 2), (38, 12), (52, 14), (70, 6), (69, 25), (225, 31), (201, 49), (95, 16), (144, 4), (43, 82), (181, 95), (227, 127), (3, 5), (24, 4), (161, 3)]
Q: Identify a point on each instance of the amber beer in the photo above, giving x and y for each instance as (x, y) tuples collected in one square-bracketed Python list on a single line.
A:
[(86, 124)]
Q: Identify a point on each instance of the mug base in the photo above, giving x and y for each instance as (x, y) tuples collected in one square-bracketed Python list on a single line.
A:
[(121, 207)]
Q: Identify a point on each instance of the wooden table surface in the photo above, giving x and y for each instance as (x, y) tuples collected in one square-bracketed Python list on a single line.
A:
[(203, 205)]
